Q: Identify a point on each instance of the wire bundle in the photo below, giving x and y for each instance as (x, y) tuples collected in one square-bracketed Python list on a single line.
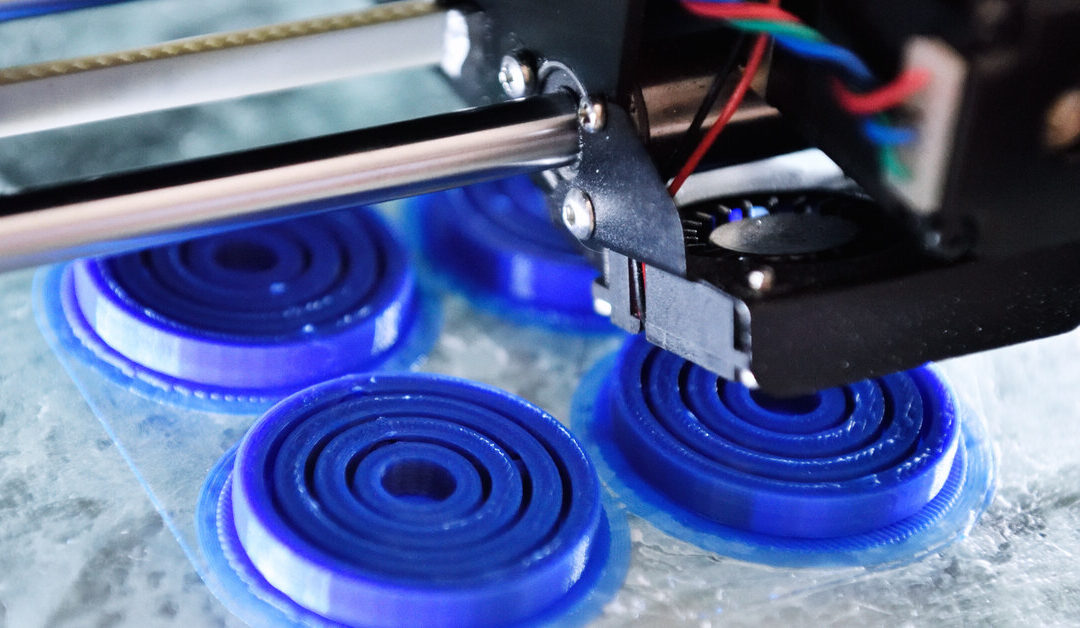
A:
[(790, 33)]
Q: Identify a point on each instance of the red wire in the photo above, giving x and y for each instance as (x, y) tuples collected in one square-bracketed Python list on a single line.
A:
[(757, 54), (740, 11), (905, 85)]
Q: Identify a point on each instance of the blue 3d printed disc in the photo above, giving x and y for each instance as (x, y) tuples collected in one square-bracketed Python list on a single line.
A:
[(259, 312), (496, 240), (391, 500), (847, 469)]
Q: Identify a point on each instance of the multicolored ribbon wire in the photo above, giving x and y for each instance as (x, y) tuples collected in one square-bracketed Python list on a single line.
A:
[(800, 39)]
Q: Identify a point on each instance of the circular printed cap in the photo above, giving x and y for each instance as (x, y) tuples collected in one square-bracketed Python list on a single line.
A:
[(497, 240), (260, 311), (840, 462), (415, 500)]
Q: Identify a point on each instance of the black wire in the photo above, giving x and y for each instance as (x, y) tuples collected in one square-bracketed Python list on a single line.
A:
[(693, 134)]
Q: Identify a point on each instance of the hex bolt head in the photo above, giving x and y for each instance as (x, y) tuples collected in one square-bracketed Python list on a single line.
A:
[(592, 115), (578, 214), (517, 76)]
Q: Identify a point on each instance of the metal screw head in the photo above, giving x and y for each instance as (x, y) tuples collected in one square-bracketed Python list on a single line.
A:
[(578, 214), (592, 115), (761, 280), (517, 76)]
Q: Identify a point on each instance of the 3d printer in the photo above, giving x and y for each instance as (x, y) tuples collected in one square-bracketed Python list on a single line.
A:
[(892, 184)]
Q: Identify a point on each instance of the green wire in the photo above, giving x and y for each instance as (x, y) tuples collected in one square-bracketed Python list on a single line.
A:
[(890, 160), (892, 165), (791, 29)]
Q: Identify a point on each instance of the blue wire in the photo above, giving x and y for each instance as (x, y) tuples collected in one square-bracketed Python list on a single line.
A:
[(32, 8), (885, 135), (823, 51), (875, 132)]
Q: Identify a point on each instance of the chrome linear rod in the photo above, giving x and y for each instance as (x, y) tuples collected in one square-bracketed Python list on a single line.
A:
[(221, 66), (153, 206)]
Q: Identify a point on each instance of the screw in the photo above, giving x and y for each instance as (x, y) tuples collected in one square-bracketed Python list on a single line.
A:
[(592, 115), (578, 214), (761, 280), (517, 76)]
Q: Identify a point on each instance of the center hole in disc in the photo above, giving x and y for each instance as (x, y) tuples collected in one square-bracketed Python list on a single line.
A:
[(244, 256), (787, 405), (418, 481)]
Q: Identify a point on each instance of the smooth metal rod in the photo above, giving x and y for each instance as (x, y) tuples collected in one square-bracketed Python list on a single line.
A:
[(157, 205), (222, 66)]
